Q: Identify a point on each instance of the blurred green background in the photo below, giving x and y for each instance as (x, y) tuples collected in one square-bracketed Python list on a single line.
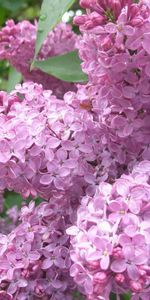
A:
[(17, 10), (20, 10)]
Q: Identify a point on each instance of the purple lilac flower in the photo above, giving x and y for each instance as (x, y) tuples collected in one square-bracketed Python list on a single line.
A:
[(110, 251), (45, 143), (35, 260), (17, 45), (115, 51)]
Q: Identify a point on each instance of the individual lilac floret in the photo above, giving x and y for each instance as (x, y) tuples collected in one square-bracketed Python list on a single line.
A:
[(5, 296), (17, 45), (111, 239)]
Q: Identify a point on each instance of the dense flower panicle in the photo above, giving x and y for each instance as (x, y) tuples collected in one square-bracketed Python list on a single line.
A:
[(102, 11), (17, 45), (111, 238), (34, 257), (110, 50), (123, 129), (46, 144), (116, 56)]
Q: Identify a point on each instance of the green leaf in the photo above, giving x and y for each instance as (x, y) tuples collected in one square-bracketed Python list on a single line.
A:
[(50, 15), (77, 296), (123, 297), (3, 14), (14, 77), (66, 67), (12, 5), (112, 296), (11, 199)]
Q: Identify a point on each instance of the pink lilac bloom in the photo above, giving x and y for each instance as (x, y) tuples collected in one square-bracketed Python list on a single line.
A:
[(115, 51), (34, 257), (17, 45), (110, 241), (45, 143)]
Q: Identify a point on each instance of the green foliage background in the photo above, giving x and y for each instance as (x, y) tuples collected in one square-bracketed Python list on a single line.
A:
[(18, 10)]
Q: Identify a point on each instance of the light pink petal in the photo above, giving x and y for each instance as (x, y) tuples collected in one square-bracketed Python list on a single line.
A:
[(73, 230), (67, 145), (114, 206), (93, 255), (129, 92), (76, 268), (128, 251), (61, 154), (111, 27), (59, 262), (10, 274), (141, 259), (70, 163), (64, 172), (4, 157), (47, 263), (146, 42), (128, 30), (34, 255), (127, 130), (134, 44), (46, 179), (100, 243), (133, 272), (88, 285), (130, 230), (22, 283), (85, 148), (147, 69), (139, 239), (49, 154), (134, 206), (104, 263), (118, 266), (12, 289), (53, 142), (122, 187), (57, 284)]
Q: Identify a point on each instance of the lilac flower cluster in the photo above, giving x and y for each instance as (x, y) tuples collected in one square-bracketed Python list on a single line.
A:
[(17, 45), (115, 49), (111, 239), (87, 156), (45, 143), (34, 257)]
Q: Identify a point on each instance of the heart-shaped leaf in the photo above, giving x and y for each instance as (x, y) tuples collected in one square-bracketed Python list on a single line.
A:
[(50, 15), (14, 77), (66, 67)]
